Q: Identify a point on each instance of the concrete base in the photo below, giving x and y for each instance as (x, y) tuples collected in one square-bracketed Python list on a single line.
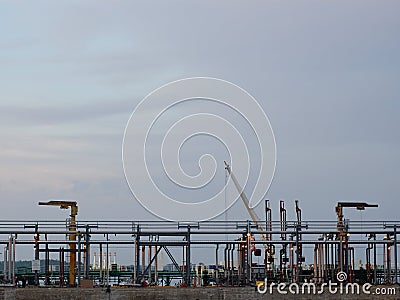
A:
[(212, 293)]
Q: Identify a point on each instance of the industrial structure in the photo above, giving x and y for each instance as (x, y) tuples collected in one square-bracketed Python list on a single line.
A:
[(242, 252)]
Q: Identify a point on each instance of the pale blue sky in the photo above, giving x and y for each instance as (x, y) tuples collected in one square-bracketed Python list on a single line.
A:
[(326, 73)]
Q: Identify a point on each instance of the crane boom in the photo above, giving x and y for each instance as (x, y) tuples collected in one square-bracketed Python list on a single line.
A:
[(252, 213)]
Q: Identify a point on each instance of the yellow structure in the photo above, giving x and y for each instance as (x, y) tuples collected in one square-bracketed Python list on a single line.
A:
[(72, 236)]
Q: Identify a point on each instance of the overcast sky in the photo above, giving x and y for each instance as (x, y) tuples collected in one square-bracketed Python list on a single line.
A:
[(325, 72)]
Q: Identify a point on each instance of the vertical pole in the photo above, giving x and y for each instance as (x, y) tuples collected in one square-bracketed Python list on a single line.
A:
[(5, 264), (107, 262), (79, 259), (72, 247), (233, 266), (87, 260), (10, 261), (269, 249), (375, 260), (240, 261), (283, 255), (291, 260), (84, 261), (368, 262), (225, 261), (46, 263), (14, 254), (135, 263), (385, 263), (323, 262), (334, 261), (61, 266), (316, 261), (228, 247), (9, 251), (101, 263), (109, 267), (137, 253), (36, 253), (249, 269), (297, 253), (340, 253), (183, 264), (248, 249), (389, 263), (326, 260), (156, 265), (143, 261), (395, 254), (216, 264), (188, 257)]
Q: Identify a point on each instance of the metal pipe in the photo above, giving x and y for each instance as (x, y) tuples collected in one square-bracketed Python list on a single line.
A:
[(368, 262), (188, 258), (101, 262), (13, 255), (389, 264), (202, 242), (136, 260), (375, 267), (61, 266), (395, 253), (87, 257), (316, 262), (46, 264), (5, 265), (216, 264), (232, 264), (202, 232), (107, 263), (156, 265), (228, 261), (11, 278), (85, 273), (79, 260), (143, 262), (72, 247)]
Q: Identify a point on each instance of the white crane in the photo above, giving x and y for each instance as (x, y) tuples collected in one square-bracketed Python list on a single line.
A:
[(252, 213)]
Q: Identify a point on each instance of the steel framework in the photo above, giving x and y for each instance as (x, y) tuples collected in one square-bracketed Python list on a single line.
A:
[(233, 242)]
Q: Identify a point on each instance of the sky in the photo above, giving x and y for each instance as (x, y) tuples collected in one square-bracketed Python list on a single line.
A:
[(325, 72)]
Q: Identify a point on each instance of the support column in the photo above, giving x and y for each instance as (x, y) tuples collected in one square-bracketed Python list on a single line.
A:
[(87, 254), (47, 263), (216, 264), (61, 267), (72, 254), (156, 265), (143, 261), (188, 257), (36, 253), (107, 262), (101, 263), (13, 254), (5, 263), (136, 259), (395, 253), (79, 259)]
